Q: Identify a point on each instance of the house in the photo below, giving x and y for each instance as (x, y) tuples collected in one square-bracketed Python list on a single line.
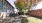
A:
[(4, 6), (36, 10)]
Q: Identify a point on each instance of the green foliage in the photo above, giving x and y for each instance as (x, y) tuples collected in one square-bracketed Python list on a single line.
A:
[(22, 6), (24, 20)]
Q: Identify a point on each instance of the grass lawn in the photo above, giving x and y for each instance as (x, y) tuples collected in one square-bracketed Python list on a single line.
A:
[(34, 20)]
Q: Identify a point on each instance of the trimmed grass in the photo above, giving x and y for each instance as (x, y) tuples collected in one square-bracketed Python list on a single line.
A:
[(33, 19)]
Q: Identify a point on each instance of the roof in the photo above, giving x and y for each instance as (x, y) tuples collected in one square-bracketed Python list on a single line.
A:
[(8, 3)]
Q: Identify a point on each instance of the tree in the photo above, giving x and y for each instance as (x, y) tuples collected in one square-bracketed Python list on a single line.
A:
[(22, 5)]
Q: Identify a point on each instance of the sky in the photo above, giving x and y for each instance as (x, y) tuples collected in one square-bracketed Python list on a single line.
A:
[(12, 3), (38, 6)]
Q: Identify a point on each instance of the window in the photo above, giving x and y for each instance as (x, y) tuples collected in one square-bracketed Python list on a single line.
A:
[(1, 5)]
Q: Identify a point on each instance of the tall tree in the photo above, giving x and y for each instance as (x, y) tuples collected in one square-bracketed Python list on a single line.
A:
[(22, 5)]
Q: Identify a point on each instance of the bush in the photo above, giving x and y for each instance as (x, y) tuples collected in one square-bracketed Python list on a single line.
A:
[(24, 20), (20, 13)]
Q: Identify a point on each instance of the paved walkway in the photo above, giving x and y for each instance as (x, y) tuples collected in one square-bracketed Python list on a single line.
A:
[(11, 20)]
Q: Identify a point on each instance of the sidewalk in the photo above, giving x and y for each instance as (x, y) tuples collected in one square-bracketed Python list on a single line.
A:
[(11, 20)]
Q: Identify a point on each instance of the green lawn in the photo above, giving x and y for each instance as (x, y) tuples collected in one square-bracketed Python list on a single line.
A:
[(34, 20)]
